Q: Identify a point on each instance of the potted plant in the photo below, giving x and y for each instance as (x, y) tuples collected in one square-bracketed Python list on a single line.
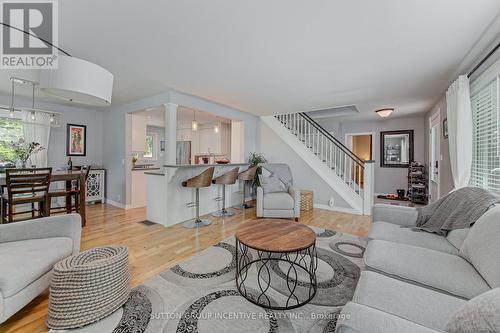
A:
[(254, 160), (135, 158), (23, 150)]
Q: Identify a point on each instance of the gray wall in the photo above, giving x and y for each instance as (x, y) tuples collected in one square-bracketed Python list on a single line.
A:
[(387, 180), (276, 150), (56, 152)]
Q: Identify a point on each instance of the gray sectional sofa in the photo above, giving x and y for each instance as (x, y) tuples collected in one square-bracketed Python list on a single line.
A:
[(421, 282), (28, 251)]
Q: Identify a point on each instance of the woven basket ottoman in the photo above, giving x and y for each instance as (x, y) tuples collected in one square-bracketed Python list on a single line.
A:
[(88, 287)]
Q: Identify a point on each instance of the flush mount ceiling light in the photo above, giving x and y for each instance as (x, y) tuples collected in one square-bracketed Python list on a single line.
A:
[(385, 112), (78, 80)]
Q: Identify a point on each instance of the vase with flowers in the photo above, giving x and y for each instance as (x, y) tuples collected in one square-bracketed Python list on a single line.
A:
[(24, 150)]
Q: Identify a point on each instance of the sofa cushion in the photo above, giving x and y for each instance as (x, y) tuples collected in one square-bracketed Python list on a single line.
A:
[(23, 262), (357, 318), (480, 314), (421, 305), (456, 237), (481, 247), (278, 200), (395, 233), (433, 269)]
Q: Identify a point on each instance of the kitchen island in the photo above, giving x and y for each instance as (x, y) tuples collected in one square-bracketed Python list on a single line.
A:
[(167, 201)]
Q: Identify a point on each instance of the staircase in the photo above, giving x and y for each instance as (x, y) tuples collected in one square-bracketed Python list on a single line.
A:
[(339, 167)]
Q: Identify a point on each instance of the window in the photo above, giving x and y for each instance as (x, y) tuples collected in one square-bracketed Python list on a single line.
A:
[(10, 130), (485, 93), (151, 146)]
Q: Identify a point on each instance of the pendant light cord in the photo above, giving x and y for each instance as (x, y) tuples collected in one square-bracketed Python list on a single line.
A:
[(32, 35)]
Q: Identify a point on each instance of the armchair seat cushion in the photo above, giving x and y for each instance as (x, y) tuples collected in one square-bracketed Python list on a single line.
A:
[(433, 269), (278, 200), (395, 233), (22, 262)]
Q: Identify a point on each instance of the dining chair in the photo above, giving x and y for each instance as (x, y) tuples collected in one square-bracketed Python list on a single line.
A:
[(70, 192), (26, 186)]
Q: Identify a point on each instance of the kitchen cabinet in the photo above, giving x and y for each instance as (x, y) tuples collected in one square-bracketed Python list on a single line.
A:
[(139, 129), (138, 189)]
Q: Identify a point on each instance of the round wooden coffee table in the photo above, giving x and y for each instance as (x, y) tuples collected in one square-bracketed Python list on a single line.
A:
[(267, 241)]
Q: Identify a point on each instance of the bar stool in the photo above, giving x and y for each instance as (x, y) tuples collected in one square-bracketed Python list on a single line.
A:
[(204, 179), (229, 178), (247, 176)]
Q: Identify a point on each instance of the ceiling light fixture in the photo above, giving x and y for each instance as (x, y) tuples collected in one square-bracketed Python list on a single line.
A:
[(74, 80), (194, 123), (31, 112), (78, 80), (385, 112)]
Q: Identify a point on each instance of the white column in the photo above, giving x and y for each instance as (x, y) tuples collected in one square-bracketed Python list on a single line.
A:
[(170, 133), (369, 187)]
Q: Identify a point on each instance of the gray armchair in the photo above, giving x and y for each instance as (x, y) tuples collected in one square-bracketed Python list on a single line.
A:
[(285, 204), (28, 251)]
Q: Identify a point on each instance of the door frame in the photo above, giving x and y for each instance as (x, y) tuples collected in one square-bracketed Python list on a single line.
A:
[(348, 142), (435, 119)]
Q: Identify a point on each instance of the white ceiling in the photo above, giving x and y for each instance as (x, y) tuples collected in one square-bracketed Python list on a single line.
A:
[(277, 56)]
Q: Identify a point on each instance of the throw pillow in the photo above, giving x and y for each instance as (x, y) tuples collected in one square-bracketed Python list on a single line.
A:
[(480, 314), (271, 184)]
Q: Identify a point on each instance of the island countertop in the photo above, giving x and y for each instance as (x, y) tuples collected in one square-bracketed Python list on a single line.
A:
[(201, 165)]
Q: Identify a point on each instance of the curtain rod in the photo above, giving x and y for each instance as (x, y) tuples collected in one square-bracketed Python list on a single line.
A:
[(484, 60)]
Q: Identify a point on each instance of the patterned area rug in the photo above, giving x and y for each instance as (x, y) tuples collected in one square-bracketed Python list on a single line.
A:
[(200, 295)]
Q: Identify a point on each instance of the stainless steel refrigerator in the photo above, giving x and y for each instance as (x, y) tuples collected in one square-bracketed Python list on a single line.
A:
[(183, 153)]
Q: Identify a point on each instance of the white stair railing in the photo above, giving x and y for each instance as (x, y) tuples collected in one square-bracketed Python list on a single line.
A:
[(339, 159)]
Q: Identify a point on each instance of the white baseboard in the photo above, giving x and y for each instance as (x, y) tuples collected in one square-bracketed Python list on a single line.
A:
[(116, 204), (337, 209)]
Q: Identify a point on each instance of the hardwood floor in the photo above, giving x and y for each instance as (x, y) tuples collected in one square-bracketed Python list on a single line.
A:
[(154, 248)]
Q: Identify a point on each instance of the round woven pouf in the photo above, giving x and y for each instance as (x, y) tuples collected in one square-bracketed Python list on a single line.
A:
[(88, 287)]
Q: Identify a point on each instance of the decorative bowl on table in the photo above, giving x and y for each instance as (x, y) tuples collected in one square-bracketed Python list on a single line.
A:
[(222, 161)]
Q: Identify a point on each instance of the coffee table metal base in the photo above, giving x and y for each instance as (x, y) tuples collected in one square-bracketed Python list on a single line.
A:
[(304, 260)]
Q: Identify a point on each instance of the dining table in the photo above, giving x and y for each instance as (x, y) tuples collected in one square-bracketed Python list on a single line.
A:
[(68, 176)]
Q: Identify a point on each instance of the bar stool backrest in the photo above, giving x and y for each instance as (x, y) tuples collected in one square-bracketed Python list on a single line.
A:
[(34, 182), (228, 178), (204, 179), (248, 174)]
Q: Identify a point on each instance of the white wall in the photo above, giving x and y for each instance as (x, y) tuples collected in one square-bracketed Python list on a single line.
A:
[(387, 180), (275, 150)]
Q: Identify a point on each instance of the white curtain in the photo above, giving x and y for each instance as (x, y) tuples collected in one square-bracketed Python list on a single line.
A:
[(37, 130), (459, 113)]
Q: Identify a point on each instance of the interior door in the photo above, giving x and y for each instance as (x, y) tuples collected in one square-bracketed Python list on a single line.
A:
[(434, 156)]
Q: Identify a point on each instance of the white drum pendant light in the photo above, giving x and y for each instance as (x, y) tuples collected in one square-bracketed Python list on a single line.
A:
[(78, 80)]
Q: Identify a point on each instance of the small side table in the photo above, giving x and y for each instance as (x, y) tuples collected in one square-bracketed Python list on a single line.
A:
[(306, 200)]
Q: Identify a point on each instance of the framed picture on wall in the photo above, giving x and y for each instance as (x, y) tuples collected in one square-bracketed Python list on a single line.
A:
[(76, 140), (445, 128), (396, 149)]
